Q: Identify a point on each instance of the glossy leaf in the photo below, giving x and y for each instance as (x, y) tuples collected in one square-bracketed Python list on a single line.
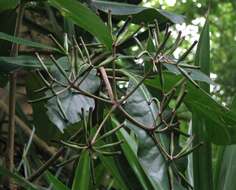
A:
[(56, 183), (72, 103), (25, 42), (82, 172), (139, 14), (85, 18), (149, 155), (133, 160), (220, 122)]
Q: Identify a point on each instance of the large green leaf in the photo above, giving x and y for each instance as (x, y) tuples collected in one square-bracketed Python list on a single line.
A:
[(82, 172), (220, 122), (202, 180), (139, 14), (73, 103), (9, 4), (149, 155), (132, 158), (85, 18), (22, 41)]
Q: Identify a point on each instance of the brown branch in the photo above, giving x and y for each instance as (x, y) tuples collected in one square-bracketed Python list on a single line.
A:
[(12, 102), (107, 83)]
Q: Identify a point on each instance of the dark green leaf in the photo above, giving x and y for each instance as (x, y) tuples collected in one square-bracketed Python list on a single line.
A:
[(9, 64), (110, 164), (133, 160), (82, 172), (220, 122), (149, 155), (19, 180), (139, 14), (40, 119), (56, 183), (22, 41), (9, 4), (85, 18), (202, 180), (73, 103), (195, 74)]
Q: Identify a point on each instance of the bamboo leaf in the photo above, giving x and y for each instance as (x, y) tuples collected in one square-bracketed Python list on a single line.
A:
[(57, 184), (22, 41), (82, 172), (132, 158), (139, 14), (202, 180), (85, 18)]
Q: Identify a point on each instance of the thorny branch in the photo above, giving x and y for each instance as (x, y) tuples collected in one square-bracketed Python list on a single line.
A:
[(115, 100)]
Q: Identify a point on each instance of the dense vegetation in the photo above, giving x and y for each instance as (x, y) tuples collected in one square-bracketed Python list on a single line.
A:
[(111, 95)]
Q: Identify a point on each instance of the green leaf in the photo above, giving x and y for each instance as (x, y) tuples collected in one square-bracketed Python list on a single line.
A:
[(220, 122), (57, 184), (40, 119), (202, 180), (110, 164), (82, 172), (195, 74), (22, 41), (225, 168), (225, 179), (72, 103), (9, 4), (139, 14), (85, 18), (9, 64), (18, 179), (149, 155), (132, 158)]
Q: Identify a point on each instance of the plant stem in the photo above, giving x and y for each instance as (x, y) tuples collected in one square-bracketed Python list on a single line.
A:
[(12, 101)]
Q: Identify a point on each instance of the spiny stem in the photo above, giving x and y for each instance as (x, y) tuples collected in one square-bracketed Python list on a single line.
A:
[(102, 124), (48, 163), (136, 87)]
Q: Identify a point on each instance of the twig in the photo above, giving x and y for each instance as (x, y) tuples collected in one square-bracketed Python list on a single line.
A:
[(48, 163)]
